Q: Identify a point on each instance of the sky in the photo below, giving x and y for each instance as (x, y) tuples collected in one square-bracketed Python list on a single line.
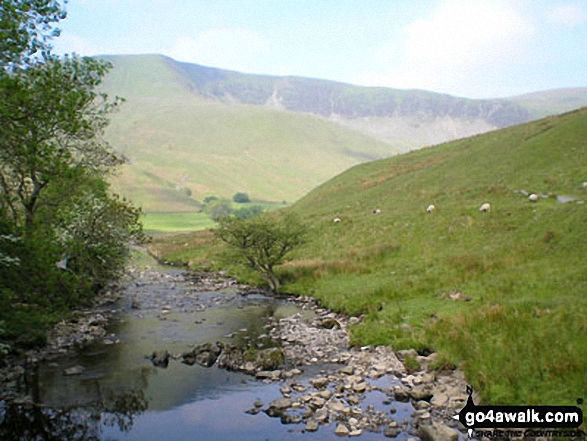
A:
[(467, 48)]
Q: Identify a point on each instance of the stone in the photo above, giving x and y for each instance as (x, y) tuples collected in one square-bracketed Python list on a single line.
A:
[(437, 432), (342, 430), (311, 426), (281, 403), (421, 392), (320, 382), (329, 323), (439, 400), (160, 359), (326, 394), (347, 370), (336, 405), (360, 387), (391, 432)]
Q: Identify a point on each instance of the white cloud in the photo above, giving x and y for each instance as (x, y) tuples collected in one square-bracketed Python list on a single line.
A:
[(68, 43), (567, 15), (447, 51), (233, 48)]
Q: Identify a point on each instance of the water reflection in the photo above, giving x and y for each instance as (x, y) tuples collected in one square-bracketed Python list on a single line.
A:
[(33, 421), (119, 383)]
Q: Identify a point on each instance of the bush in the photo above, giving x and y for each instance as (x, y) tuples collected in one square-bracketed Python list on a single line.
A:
[(241, 198), (248, 212)]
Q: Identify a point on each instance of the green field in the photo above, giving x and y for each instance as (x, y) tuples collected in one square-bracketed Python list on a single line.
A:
[(502, 294), (156, 223)]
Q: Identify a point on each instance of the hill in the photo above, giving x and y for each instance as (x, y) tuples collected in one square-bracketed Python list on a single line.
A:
[(191, 131), (183, 147), (550, 102), (502, 294)]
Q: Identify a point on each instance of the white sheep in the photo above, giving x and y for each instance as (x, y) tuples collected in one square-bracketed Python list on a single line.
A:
[(585, 185), (430, 208), (376, 211), (533, 197), (336, 220), (485, 208)]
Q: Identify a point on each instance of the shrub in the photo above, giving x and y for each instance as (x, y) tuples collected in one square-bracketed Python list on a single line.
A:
[(241, 198)]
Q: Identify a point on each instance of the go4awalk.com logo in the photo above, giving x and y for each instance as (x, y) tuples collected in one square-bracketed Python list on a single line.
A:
[(507, 421)]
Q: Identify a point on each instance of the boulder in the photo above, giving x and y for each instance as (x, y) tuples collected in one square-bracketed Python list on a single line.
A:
[(437, 432), (204, 355), (160, 358)]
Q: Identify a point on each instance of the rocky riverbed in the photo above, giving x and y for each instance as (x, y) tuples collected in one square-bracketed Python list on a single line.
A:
[(324, 384)]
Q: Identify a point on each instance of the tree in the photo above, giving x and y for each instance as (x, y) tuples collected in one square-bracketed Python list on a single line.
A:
[(219, 208), (241, 198), (51, 124), (26, 28), (263, 242)]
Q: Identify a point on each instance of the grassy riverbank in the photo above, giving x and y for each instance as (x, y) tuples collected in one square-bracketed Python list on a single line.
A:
[(501, 294)]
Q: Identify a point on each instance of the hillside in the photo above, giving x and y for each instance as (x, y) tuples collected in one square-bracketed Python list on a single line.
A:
[(191, 131), (183, 147), (502, 294), (550, 102)]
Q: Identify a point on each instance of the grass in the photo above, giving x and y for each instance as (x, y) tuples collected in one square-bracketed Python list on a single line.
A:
[(188, 135), (179, 143), (503, 294), (155, 223)]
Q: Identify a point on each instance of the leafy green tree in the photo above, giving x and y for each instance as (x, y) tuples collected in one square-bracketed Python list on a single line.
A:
[(241, 198), (248, 212), (94, 230), (219, 208), (263, 242), (63, 234), (51, 124), (209, 199), (26, 28)]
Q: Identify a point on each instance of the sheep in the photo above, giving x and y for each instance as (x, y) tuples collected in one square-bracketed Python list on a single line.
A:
[(585, 185), (376, 211), (336, 220), (533, 197), (430, 208), (485, 208)]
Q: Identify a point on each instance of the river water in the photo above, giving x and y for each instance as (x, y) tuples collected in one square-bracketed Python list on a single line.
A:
[(121, 395)]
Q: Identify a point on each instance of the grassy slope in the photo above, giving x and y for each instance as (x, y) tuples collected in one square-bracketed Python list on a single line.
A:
[(177, 140), (522, 336), (551, 102)]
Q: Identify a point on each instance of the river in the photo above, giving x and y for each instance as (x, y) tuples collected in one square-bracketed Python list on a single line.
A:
[(121, 395)]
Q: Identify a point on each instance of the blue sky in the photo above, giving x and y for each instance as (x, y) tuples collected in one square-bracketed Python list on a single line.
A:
[(470, 48)]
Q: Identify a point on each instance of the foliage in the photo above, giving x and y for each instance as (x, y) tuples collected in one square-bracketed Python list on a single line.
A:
[(209, 199), (26, 28), (217, 209), (94, 231), (241, 198), (63, 235), (263, 242), (248, 212), (51, 120)]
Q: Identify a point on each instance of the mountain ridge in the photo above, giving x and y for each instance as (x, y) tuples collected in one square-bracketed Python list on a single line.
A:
[(273, 137)]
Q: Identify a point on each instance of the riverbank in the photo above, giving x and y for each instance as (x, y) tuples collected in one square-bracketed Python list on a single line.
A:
[(324, 383)]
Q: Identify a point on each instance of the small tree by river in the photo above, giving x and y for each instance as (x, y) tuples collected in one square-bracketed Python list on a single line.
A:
[(263, 242)]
